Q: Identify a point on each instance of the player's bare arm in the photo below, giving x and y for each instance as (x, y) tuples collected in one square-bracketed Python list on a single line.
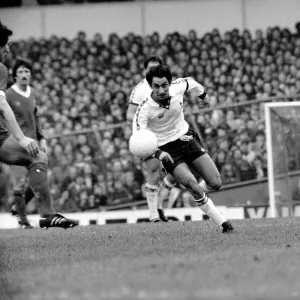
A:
[(131, 112), (137, 95), (43, 145), (203, 99)]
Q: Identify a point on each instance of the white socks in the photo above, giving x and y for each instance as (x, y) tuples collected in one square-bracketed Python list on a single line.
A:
[(164, 191), (156, 196), (208, 207), (152, 196)]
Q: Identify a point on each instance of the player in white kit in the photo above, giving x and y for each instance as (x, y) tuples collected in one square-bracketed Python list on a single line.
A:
[(153, 166), (179, 147)]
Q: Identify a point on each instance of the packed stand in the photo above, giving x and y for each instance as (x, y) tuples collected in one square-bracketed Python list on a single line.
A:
[(85, 83), (17, 3)]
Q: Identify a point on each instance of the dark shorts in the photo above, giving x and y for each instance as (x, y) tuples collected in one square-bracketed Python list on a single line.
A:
[(4, 134), (184, 150)]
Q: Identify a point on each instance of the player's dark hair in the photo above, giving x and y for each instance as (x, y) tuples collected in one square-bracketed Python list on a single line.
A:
[(160, 72), (5, 33), (21, 62), (152, 59)]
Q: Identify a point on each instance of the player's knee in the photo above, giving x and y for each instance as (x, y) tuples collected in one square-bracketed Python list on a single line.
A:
[(216, 184), (154, 177), (41, 157)]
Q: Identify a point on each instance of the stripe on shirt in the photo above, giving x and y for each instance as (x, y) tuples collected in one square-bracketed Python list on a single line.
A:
[(187, 86), (133, 92), (138, 112), (133, 103)]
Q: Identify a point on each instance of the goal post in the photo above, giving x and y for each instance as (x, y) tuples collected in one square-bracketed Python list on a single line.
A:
[(282, 127)]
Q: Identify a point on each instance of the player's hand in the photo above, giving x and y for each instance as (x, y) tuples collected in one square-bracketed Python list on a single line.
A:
[(30, 145), (43, 145), (204, 102), (165, 157)]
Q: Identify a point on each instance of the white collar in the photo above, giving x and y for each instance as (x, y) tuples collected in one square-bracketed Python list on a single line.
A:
[(25, 94)]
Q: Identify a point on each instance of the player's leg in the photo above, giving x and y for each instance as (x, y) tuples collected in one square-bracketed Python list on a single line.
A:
[(28, 195), (173, 196), (153, 170), (184, 176), (209, 173), (19, 206), (175, 149), (167, 184), (164, 191), (211, 182), (11, 153), (202, 164)]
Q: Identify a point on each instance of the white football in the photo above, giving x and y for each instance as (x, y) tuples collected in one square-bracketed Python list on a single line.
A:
[(143, 143)]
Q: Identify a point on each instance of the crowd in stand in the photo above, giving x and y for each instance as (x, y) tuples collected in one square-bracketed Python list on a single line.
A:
[(16, 3), (85, 83)]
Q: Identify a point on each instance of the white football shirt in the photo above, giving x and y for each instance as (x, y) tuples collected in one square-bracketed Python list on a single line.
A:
[(140, 92), (168, 122)]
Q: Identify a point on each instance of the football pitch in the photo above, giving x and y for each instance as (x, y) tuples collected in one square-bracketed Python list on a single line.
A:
[(177, 260)]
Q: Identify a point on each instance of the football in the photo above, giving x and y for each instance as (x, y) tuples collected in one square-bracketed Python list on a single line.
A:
[(143, 143)]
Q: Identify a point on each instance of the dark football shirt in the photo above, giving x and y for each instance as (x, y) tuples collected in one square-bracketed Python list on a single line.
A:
[(3, 86), (25, 110)]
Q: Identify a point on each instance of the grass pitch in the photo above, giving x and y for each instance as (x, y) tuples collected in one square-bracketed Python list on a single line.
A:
[(177, 260)]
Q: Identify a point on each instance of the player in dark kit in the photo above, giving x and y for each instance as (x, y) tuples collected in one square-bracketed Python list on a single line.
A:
[(18, 149), (23, 100)]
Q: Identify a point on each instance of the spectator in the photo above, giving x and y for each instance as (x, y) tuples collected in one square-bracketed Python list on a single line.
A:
[(247, 153), (229, 173), (121, 194), (260, 171)]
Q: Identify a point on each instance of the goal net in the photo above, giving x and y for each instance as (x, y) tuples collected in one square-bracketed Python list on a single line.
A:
[(283, 152)]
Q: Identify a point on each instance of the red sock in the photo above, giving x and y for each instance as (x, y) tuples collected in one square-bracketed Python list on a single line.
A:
[(28, 194), (20, 204), (38, 181)]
